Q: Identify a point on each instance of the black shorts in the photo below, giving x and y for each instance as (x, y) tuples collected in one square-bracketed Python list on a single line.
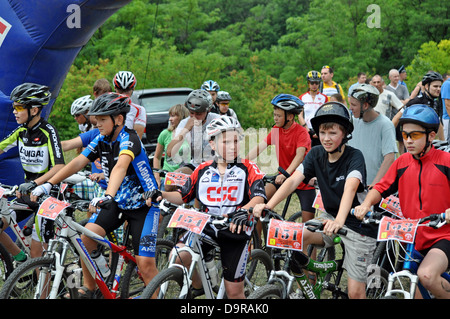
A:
[(443, 245), (142, 222), (234, 251)]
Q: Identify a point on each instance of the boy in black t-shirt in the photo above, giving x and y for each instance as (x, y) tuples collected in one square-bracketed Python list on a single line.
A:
[(341, 176)]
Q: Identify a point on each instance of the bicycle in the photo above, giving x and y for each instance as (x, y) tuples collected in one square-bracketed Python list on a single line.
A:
[(403, 230), (288, 235), (175, 281), (57, 274)]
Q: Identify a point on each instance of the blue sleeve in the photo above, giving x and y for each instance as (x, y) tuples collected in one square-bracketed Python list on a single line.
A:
[(91, 150), (89, 136)]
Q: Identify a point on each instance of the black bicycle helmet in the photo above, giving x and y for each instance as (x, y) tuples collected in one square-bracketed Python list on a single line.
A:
[(31, 95), (110, 104), (333, 112), (199, 101), (432, 76)]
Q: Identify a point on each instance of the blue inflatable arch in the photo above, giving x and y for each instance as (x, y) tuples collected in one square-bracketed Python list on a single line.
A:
[(39, 40)]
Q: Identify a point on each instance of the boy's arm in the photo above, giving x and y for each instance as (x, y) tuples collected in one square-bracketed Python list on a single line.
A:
[(55, 169), (71, 144), (372, 198), (256, 151), (173, 197)]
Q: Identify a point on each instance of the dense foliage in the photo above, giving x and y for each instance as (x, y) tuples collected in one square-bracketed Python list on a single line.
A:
[(256, 49)]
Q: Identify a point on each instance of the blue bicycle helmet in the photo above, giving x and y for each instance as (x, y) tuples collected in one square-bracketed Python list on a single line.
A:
[(422, 115), (288, 103)]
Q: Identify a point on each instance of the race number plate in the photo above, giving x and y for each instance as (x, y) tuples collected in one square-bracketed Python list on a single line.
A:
[(403, 230), (391, 204), (176, 179), (189, 219), (318, 203), (51, 208), (285, 235)]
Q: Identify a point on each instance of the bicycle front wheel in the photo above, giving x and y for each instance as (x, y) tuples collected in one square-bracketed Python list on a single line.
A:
[(132, 284), (168, 284), (33, 280)]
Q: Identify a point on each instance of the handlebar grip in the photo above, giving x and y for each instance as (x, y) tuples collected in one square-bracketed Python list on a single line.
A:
[(283, 171)]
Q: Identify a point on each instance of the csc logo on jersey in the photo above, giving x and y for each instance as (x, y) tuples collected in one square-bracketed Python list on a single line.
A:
[(219, 194)]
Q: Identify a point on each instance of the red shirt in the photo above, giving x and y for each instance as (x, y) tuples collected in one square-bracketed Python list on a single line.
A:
[(423, 189), (286, 143)]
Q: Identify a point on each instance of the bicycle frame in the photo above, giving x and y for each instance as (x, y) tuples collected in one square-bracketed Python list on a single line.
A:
[(193, 248), (69, 231), (410, 266), (5, 213)]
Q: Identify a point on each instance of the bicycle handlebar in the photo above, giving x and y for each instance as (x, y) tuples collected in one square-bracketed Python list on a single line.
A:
[(221, 221), (433, 219), (271, 178), (9, 190)]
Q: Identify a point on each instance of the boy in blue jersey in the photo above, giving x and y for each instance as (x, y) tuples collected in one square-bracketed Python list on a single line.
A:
[(128, 174)]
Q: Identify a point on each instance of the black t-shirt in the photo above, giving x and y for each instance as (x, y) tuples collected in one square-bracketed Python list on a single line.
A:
[(331, 178)]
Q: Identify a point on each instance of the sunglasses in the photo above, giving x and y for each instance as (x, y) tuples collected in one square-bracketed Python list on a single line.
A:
[(19, 107), (414, 135)]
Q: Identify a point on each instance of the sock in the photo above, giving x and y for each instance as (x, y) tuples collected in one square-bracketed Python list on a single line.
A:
[(20, 256)]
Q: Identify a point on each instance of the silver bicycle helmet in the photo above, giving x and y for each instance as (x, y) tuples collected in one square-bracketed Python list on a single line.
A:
[(222, 124), (223, 96), (81, 105), (199, 101)]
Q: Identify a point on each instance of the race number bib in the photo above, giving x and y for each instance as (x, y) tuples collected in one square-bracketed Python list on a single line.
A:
[(51, 208), (285, 235), (189, 219), (176, 179), (391, 204), (403, 230)]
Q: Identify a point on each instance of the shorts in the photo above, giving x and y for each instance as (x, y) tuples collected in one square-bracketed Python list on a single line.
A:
[(359, 251), (142, 222), (306, 198), (234, 251), (443, 245)]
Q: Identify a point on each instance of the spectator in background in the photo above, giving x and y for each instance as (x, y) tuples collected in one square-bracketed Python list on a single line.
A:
[(362, 77), (125, 83), (445, 96), (394, 86), (388, 104), (328, 86), (222, 106), (403, 75), (100, 87), (312, 100)]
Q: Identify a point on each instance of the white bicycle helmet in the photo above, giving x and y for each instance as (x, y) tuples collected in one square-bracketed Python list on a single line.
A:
[(124, 80), (81, 105), (222, 124), (210, 85)]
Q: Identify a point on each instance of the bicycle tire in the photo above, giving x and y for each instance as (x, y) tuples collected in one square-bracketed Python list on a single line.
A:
[(259, 266), (377, 284), (132, 284), (174, 277), (296, 217), (6, 263), (21, 284), (269, 291)]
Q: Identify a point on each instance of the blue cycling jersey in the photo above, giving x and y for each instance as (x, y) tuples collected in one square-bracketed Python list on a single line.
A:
[(139, 177)]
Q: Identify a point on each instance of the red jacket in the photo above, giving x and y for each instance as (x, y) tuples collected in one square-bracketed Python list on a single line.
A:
[(423, 188)]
